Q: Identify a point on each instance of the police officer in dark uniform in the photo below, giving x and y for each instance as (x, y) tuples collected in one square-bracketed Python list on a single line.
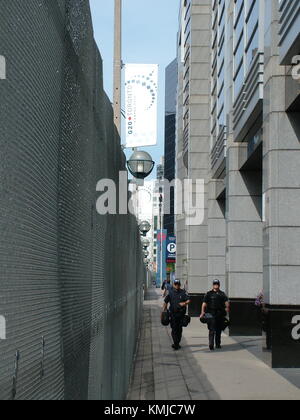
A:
[(178, 300), (215, 303)]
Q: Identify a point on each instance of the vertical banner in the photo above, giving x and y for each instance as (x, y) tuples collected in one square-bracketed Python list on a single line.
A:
[(141, 88), (161, 257)]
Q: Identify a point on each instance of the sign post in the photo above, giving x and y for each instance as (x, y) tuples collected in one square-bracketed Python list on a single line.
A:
[(161, 256), (171, 256), (118, 64)]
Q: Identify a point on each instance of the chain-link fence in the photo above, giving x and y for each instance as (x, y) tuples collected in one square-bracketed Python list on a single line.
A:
[(71, 281)]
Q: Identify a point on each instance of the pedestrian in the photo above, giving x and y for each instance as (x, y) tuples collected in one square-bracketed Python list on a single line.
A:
[(166, 287), (217, 304), (178, 299)]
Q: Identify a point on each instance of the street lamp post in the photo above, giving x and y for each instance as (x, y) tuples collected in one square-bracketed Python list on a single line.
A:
[(145, 243), (145, 228), (140, 164), (118, 64), (161, 232)]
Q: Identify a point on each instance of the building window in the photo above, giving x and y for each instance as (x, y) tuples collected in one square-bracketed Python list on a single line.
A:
[(252, 37), (252, 49), (239, 4), (239, 46), (218, 69), (186, 119), (221, 67), (239, 80)]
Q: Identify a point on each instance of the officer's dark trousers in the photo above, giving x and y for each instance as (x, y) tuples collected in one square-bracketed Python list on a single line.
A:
[(176, 325), (215, 327)]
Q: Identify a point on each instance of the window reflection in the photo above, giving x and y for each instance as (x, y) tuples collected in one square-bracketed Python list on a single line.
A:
[(239, 80), (252, 49), (246, 39), (252, 20), (239, 46), (218, 68)]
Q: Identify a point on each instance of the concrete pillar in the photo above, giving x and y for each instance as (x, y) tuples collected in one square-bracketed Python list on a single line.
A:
[(199, 141), (192, 143), (216, 235), (244, 243), (281, 161)]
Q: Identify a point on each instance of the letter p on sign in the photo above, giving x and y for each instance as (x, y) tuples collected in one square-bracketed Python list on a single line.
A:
[(172, 248), (296, 329)]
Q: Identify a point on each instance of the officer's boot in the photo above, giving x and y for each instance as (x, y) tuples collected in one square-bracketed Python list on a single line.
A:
[(218, 340), (211, 340)]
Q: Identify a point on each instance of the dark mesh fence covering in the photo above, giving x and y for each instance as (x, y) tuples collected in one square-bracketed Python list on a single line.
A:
[(71, 281)]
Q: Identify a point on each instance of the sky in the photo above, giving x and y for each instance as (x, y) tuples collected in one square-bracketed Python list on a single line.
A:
[(149, 36)]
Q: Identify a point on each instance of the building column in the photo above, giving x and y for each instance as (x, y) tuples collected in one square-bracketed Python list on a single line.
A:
[(199, 141), (244, 256), (281, 161), (216, 234)]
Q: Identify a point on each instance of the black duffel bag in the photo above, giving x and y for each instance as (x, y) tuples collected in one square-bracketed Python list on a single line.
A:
[(206, 318), (226, 324), (165, 318), (186, 321)]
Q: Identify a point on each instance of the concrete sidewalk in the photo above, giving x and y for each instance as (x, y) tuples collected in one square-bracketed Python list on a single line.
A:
[(239, 371)]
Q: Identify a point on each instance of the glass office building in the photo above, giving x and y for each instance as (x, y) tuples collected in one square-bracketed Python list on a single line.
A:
[(170, 139)]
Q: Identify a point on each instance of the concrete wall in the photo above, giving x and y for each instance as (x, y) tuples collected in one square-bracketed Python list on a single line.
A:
[(281, 158)]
